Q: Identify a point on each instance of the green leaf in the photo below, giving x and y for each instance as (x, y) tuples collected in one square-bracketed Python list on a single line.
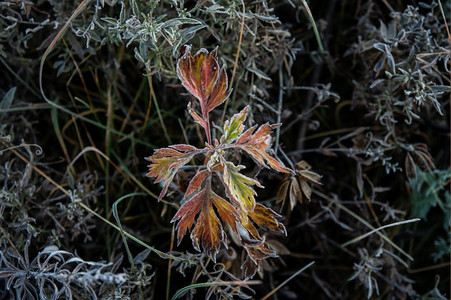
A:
[(234, 127), (239, 186)]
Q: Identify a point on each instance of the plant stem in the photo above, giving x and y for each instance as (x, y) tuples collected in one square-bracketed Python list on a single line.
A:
[(206, 117), (315, 29)]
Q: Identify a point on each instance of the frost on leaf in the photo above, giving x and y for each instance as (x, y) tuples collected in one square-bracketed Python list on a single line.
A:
[(295, 186), (256, 144), (266, 218), (204, 212), (234, 127), (196, 182), (255, 254), (239, 186), (208, 230), (166, 162), (202, 77), (196, 117)]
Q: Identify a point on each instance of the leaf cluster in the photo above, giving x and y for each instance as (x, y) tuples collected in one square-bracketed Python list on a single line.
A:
[(206, 80)]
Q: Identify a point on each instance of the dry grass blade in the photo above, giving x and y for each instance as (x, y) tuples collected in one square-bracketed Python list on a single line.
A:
[(288, 280)]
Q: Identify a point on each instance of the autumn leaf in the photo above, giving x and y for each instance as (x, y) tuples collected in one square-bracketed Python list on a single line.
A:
[(204, 212), (239, 186), (299, 184), (234, 127), (226, 210), (202, 77), (189, 71), (197, 118), (260, 252), (249, 268), (256, 144), (196, 182), (255, 254), (246, 230), (208, 230), (266, 218), (220, 92), (166, 162), (257, 248), (187, 213), (303, 170)]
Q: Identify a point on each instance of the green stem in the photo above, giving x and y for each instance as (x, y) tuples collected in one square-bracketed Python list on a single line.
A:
[(315, 29)]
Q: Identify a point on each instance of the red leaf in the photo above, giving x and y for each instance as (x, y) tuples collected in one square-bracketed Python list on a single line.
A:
[(256, 144), (201, 76), (219, 93), (189, 70), (196, 117), (187, 213), (210, 70), (183, 147), (196, 182), (165, 163)]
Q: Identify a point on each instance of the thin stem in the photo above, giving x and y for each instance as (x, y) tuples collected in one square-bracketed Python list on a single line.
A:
[(288, 280), (214, 283), (361, 237), (279, 110), (207, 130), (240, 41), (315, 29), (206, 118)]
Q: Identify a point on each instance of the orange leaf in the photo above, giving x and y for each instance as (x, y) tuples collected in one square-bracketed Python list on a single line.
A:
[(266, 218), (201, 76), (196, 182), (189, 70), (226, 211), (247, 232), (219, 93), (256, 144), (165, 163), (260, 252), (208, 230)]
